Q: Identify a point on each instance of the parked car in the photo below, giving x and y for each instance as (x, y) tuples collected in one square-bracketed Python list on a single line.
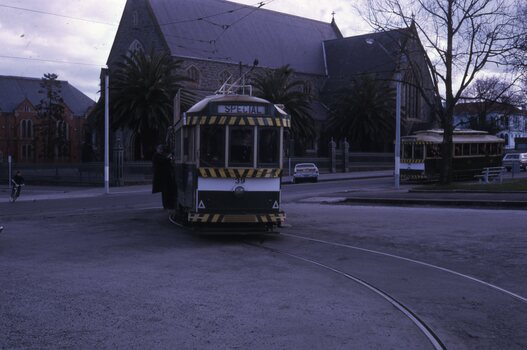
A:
[(305, 171), (510, 158)]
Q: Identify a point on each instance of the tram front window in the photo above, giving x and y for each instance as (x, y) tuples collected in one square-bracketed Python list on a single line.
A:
[(268, 147), (419, 152), (241, 146), (212, 145)]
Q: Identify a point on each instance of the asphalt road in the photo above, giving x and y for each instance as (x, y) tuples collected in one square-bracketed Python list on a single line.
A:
[(112, 272)]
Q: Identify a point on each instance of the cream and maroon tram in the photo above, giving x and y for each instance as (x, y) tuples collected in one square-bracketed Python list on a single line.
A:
[(472, 150), (228, 156)]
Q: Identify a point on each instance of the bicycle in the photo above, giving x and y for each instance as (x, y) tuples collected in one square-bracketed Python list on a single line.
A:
[(15, 191)]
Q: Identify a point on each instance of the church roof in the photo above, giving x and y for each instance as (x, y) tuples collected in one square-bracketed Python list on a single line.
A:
[(374, 53), (13, 90), (232, 32)]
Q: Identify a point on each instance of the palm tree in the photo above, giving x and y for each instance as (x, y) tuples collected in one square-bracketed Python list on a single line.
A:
[(278, 87), (142, 89), (363, 113)]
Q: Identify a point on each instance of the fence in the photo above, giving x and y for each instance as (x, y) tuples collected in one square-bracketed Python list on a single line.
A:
[(78, 174), (141, 172)]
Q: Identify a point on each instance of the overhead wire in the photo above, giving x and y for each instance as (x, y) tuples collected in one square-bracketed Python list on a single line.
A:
[(57, 15), (224, 27), (51, 61)]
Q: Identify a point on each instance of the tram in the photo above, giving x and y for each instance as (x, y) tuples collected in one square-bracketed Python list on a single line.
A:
[(472, 151), (228, 157)]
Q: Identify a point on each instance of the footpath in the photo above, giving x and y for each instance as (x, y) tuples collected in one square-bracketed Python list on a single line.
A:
[(387, 195)]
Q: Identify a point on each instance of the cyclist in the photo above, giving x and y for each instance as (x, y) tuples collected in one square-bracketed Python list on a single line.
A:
[(18, 182)]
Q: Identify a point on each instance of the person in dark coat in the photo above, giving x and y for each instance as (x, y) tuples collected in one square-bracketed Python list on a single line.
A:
[(163, 179)]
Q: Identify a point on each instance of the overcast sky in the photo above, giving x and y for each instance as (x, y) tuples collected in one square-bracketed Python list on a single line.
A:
[(72, 38)]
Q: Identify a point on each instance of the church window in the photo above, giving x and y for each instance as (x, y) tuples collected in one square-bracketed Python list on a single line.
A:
[(135, 46), (193, 74)]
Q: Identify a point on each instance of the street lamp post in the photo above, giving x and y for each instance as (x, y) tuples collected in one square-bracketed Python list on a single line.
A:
[(106, 133), (397, 151)]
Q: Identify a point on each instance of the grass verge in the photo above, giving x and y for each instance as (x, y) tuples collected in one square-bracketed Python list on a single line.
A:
[(507, 186)]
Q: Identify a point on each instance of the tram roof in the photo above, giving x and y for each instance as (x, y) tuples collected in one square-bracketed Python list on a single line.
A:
[(227, 98), (459, 136), (236, 110)]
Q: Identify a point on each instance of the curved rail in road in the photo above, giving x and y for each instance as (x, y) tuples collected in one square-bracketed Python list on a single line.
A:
[(423, 327), (502, 290)]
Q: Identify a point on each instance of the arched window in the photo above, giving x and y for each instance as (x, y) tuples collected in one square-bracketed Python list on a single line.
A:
[(62, 130), (27, 152), (26, 129), (135, 46), (224, 77), (193, 74), (135, 19), (411, 96)]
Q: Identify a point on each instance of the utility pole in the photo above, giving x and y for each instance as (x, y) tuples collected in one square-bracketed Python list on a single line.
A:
[(106, 132), (397, 151)]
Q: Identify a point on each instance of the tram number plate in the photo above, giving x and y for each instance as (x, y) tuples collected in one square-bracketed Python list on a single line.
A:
[(239, 180)]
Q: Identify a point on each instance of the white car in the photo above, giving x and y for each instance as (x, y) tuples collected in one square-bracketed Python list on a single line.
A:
[(305, 171), (511, 158)]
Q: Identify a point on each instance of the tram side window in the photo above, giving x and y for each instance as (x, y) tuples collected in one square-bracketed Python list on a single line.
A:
[(188, 142), (473, 149), (177, 145), (268, 147), (458, 150), (407, 151), (212, 145), (493, 149), (419, 151), (241, 146), (288, 147), (432, 151)]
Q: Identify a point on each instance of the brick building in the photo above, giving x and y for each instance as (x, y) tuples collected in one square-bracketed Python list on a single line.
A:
[(217, 39), (19, 121)]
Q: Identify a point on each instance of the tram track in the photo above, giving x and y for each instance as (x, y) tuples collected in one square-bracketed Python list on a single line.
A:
[(425, 329), (422, 263), (425, 300)]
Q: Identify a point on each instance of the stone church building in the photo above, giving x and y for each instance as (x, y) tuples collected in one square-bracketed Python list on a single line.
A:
[(218, 39)]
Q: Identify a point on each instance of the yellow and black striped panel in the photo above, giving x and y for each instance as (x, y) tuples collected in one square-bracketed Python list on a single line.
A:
[(419, 142), (414, 177), (413, 161), (238, 121), (239, 173), (233, 218)]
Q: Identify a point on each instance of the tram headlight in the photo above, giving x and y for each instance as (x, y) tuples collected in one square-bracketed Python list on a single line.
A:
[(239, 191)]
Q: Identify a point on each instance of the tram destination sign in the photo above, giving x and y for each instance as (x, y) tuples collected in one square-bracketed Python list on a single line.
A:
[(241, 109)]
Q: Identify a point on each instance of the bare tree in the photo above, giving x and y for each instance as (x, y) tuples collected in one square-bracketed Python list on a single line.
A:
[(461, 38), (493, 90), (487, 96)]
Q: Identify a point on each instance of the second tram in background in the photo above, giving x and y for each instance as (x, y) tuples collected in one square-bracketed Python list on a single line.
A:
[(228, 155), (472, 151)]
